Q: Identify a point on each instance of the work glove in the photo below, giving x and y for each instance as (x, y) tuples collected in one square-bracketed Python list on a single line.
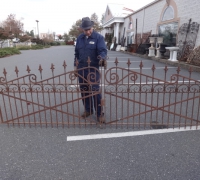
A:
[(102, 62), (75, 71)]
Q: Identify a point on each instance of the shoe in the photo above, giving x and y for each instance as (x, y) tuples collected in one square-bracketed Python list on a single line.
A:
[(101, 119), (86, 114)]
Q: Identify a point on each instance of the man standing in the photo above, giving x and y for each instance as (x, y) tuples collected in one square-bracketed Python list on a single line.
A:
[(90, 45)]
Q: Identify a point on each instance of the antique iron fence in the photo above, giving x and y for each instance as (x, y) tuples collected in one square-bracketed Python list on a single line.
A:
[(129, 98)]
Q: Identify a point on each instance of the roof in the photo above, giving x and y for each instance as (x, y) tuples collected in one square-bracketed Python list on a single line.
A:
[(118, 10)]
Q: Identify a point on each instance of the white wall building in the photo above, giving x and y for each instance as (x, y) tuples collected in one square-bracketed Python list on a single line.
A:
[(157, 17)]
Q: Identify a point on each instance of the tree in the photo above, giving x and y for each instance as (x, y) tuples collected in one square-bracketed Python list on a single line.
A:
[(31, 33), (60, 37), (14, 26), (24, 38), (97, 26), (66, 37), (102, 18), (75, 30), (4, 35)]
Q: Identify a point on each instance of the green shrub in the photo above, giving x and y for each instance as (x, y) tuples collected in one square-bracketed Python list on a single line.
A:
[(38, 46), (55, 43), (47, 46), (62, 43), (23, 47), (8, 51)]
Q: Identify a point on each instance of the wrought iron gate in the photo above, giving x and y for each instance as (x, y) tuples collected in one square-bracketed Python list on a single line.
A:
[(187, 36), (129, 99)]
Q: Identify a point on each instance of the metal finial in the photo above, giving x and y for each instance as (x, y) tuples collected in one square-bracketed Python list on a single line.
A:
[(28, 69)]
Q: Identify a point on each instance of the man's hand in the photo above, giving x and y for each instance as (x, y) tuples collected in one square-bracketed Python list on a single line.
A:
[(103, 63), (75, 71)]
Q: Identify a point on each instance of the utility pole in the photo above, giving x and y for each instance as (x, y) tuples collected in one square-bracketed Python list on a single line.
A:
[(37, 28)]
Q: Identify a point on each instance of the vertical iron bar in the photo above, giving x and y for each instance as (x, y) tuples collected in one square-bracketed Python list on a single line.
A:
[(50, 105), (54, 93), (39, 108), (176, 91), (73, 108), (169, 106), (78, 95), (10, 106), (164, 92), (116, 89), (103, 77), (27, 102), (66, 94), (61, 107), (188, 92), (192, 115), (1, 116), (5, 108), (181, 105), (33, 105), (158, 95), (19, 89), (67, 105), (43, 98), (16, 109), (198, 112), (152, 93), (122, 124), (140, 92), (128, 91)]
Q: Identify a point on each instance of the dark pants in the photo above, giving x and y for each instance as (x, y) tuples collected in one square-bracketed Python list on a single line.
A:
[(89, 84)]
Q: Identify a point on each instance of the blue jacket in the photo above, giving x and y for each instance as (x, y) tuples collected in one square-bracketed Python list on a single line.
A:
[(92, 47)]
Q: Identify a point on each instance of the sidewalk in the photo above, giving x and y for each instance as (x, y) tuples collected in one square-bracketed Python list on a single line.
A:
[(165, 61)]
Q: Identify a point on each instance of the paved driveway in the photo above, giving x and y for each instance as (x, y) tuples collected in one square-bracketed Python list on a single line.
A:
[(45, 153)]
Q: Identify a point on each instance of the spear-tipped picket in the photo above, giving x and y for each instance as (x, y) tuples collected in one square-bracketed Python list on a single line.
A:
[(116, 61), (129, 63), (141, 65), (153, 68), (88, 61), (178, 70), (190, 70), (28, 69), (4, 72), (76, 62), (52, 67), (166, 69), (16, 70), (40, 69), (64, 65)]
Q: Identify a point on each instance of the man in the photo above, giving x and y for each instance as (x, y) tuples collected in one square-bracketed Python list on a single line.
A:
[(90, 45)]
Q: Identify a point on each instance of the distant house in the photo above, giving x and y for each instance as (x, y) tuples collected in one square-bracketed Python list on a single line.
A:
[(46, 35), (114, 19)]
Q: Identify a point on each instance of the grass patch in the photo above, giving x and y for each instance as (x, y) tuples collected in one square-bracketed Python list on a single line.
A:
[(34, 47), (8, 51)]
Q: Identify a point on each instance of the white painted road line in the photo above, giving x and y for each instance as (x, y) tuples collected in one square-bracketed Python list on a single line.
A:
[(130, 134), (179, 82), (150, 68), (124, 58), (156, 68), (126, 61)]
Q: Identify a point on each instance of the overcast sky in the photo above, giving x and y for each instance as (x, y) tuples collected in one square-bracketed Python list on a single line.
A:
[(59, 15)]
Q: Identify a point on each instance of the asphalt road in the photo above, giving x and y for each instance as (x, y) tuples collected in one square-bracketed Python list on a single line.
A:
[(45, 153)]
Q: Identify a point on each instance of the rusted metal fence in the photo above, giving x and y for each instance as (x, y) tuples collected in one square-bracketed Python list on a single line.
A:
[(130, 99)]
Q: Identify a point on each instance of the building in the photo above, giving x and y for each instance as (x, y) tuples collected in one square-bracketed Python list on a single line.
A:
[(114, 20), (168, 18)]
